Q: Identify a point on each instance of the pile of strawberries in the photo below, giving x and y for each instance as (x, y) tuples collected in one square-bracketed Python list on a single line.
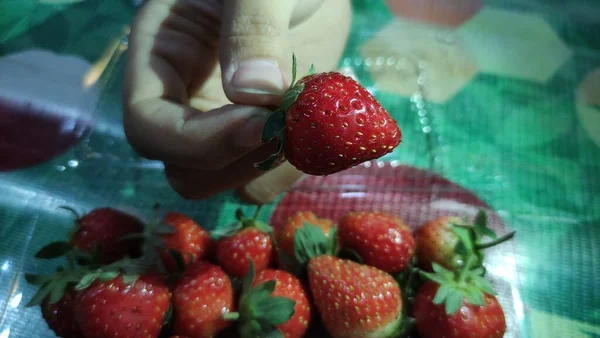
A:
[(364, 275)]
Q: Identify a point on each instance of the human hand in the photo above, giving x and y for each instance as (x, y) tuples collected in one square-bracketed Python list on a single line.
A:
[(200, 75)]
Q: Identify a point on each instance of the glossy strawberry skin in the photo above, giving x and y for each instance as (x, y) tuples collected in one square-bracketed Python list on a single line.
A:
[(233, 251), (381, 239), (200, 298), (469, 321), (335, 124), (105, 227), (60, 316), (287, 285), (115, 309), (285, 236), (354, 300), (436, 242), (191, 240)]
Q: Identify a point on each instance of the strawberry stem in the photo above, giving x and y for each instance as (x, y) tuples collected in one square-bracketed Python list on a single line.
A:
[(256, 212), (481, 246), (464, 272), (71, 210), (231, 316)]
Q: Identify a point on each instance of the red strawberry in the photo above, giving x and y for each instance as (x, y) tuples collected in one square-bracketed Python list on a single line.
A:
[(381, 239), (288, 286), (274, 303), (286, 235), (468, 320), (60, 316), (330, 123), (248, 240), (191, 240), (355, 300), (438, 241), (104, 227), (200, 299), (435, 243), (114, 308)]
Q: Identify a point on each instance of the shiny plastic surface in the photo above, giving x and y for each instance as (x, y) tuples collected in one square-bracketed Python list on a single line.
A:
[(497, 101)]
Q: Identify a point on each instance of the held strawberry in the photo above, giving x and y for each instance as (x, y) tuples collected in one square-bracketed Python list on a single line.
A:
[(381, 239), (274, 303), (247, 239), (328, 123), (355, 300), (200, 300), (188, 238), (121, 308)]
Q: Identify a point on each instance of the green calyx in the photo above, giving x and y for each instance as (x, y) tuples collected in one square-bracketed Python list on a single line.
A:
[(275, 125), (469, 239), (469, 285), (242, 222), (260, 311), (468, 282), (310, 242)]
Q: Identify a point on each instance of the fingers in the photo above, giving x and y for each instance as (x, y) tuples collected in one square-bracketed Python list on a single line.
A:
[(252, 49), (266, 188), (200, 184), (180, 135)]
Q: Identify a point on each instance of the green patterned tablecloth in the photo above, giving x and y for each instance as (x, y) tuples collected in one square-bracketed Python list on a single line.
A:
[(502, 98)]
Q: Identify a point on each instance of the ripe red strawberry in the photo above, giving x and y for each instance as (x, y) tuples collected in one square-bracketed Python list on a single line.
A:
[(272, 303), (200, 299), (435, 243), (104, 227), (114, 308), (381, 239), (448, 241), (101, 230), (288, 286), (191, 240), (468, 320), (60, 316), (355, 300), (286, 235), (247, 240), (328, 123)]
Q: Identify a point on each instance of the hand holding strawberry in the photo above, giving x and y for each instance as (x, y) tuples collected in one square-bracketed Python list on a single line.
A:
[(328, 123)]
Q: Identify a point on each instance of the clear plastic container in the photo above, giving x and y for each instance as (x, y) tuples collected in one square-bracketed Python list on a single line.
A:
[(521, 143)]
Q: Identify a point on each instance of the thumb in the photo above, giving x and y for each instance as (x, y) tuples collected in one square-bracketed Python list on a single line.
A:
[(252, 49)]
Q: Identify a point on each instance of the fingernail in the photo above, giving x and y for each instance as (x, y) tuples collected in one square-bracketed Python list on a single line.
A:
[(250, 132), (258, 77)]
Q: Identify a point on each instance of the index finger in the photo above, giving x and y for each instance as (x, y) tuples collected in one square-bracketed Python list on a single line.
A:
[(158, 121)]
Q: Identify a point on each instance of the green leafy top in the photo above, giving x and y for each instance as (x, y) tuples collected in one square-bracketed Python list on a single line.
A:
[(275, 125), (260, 311), (84, 269), (242, 222), (310, 242), (468, 282)]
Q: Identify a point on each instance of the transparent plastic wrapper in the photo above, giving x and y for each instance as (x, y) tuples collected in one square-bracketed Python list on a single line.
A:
[(488, 122)]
